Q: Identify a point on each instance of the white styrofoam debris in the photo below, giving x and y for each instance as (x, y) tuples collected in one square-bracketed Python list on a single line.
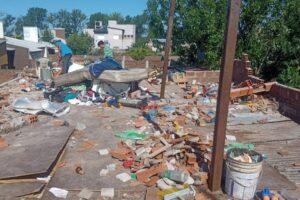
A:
[(124, 177), (58, 192)]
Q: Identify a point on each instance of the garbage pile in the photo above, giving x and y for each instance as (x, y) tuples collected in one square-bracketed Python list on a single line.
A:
[(165, 160)]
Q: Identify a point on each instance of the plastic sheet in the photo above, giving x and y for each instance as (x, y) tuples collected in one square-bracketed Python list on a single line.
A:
[(30, 106)]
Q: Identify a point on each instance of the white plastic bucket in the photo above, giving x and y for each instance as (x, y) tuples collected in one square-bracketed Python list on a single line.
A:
[(242, 178)]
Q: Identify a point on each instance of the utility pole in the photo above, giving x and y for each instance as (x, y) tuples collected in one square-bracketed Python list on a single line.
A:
[(224, 94), (168, 46)]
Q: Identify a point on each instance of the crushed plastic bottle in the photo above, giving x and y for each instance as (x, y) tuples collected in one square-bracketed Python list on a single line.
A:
[(177, 176)]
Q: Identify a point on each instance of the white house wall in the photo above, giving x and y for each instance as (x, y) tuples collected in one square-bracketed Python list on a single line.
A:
[(114, 36)]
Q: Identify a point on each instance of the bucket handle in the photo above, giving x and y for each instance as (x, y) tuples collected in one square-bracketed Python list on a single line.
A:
[(259, 177)]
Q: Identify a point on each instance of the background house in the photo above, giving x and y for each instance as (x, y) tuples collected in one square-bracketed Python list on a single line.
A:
[(120, 36)]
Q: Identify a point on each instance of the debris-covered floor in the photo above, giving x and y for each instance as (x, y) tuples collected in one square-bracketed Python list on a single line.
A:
[(91, 162)]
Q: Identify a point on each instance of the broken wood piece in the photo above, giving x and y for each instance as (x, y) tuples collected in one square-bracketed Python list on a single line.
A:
[(164, 141), (145, 175), (159, 151)]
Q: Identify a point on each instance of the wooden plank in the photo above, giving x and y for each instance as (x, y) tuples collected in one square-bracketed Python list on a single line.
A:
[(10, 190), (34, 150), (273, 180)]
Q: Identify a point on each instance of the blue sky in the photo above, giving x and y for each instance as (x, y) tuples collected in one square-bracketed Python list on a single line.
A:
[(125, 7)]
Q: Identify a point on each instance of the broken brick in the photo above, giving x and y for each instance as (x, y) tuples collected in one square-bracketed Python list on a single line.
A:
[(3, 143), (139, 122), (180, 120), (30, 119), (191, 158), (188, 96), (121, 153), (145, 175)]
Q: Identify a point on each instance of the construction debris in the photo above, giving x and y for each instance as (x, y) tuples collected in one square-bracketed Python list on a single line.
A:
[(59, 193)]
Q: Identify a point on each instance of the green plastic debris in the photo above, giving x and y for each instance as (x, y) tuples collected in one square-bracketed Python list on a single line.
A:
[(81, 87), (131, 135), (133, 176), (241, 146), (70, 96)]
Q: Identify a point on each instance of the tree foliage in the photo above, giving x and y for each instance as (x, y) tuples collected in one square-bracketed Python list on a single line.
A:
[(269, 32), (8, 22), (73, 21), (80, 44)]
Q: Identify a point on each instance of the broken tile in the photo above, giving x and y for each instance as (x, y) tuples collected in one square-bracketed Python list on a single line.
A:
[(85, 194), (111, 167), (108, 192), (103, 172), (124, 177), (58, 192), (103, 152)]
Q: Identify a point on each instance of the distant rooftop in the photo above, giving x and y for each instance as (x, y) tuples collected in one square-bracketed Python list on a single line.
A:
[(32, 46)]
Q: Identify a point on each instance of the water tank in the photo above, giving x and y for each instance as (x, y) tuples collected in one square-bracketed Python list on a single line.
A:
[(43, 69)]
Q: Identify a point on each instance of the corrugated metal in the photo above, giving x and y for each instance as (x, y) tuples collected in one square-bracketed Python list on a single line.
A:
[(32, 46)]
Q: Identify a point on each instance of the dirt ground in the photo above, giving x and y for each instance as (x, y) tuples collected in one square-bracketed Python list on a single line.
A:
[(6, 75)]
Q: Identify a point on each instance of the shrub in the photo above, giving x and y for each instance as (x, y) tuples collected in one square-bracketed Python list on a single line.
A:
[(139, 53), (290, 77)]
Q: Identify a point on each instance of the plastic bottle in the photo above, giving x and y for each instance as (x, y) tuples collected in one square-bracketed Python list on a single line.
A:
[(177, 176)]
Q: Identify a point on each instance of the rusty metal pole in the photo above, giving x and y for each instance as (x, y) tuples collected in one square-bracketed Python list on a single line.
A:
[(167, 48), (224, 93)]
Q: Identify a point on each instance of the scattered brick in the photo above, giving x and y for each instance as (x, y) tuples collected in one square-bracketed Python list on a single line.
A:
[(121, 153), (30, 119)]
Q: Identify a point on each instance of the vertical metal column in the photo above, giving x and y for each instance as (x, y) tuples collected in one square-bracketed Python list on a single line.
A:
[(167, 48), (224, 93)]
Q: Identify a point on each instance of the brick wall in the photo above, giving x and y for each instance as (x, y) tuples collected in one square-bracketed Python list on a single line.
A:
[(241, 69), (203, 76), (289, 99)]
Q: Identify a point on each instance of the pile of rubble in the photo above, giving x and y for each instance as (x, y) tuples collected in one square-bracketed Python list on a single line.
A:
[(166, 160)]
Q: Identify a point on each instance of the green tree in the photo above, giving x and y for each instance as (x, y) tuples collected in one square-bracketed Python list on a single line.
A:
[(81, 44), (73, 21), (36, 17), (116, 16), (77, 21), (140, 23), (19, 26), (47, 35), (155, 19), (8, 22), (269, 32), (97, 17)]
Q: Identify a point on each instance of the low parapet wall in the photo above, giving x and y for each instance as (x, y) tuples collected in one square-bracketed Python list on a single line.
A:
[(289, 99)]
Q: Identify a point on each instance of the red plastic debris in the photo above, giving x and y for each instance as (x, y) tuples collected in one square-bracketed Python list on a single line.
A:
[(128, 163)]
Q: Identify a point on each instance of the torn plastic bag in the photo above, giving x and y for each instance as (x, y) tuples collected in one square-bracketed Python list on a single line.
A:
[(30, 106)]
